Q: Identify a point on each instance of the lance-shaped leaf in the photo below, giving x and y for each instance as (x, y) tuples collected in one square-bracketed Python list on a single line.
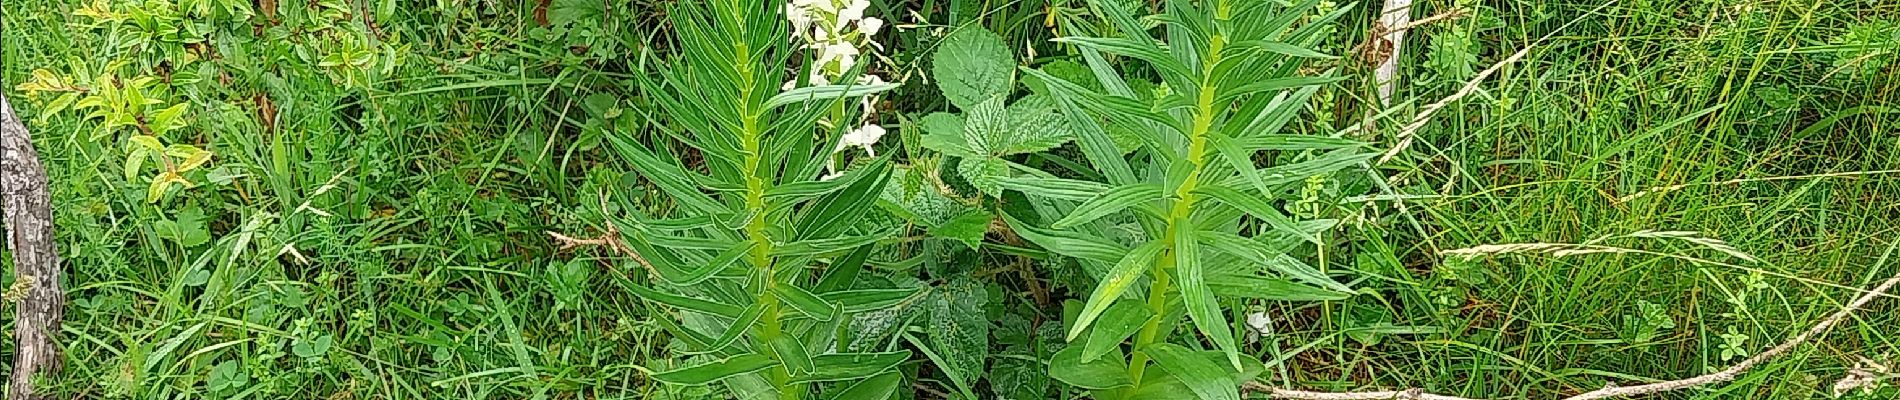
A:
[(1273, 259), (1126, 272), (1202, 307), (1109, 202), (1207, 379), (714, 371), (848, 366), (827, 92)]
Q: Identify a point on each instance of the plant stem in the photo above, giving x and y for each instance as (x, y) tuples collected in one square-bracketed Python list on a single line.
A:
[(752, 138)]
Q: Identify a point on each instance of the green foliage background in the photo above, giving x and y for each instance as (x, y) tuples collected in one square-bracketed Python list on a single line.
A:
[(371, 221)]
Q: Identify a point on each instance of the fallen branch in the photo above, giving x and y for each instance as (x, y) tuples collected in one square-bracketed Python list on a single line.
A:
[(29, 221), (610, 239), (1724, 375)]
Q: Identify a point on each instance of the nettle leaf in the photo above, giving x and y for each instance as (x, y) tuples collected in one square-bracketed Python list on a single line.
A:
[(958, 329), (1034, 126), (986, 174), (986, 127), (973, 65), (967, 228), (944, 133)]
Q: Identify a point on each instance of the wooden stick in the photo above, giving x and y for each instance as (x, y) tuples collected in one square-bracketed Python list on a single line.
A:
[(29, 214), (1394, 20)]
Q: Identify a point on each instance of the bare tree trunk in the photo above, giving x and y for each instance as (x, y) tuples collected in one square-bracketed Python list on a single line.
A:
[(29, 215)]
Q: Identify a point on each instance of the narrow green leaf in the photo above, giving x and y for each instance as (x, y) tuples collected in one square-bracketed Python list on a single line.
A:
[(1202, 307), (1067, 366), (847, 366), (1257, 207), (1058, 188), (1156, 56), (881, 387), (735, 330), (803, 301), (844, 271), (863, 300), (1271, 258), (687, 303), (828, 92), (1066, 243), (714, 371), (825, 246), (668, 176), (725, 259), (1266, 288), (832, 213), (791, 351), (1120, 321), (1206, 378), (1127, 270), (1109, 202), (1283, 49)]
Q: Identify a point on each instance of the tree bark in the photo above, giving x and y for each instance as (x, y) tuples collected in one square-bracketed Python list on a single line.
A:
[(1392, 21), (29, 220)]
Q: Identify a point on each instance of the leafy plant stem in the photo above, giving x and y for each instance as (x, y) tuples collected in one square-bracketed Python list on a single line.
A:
[(756, 205)]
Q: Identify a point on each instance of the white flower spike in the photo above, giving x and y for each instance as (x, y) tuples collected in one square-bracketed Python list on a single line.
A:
[(862, 137)]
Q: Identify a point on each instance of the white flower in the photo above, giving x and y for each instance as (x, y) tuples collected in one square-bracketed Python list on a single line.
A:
[(862, 137), (844, 53), (830, 176), (870, 26), (825, 6), (853, 11), (1258, 325), (801, 20)]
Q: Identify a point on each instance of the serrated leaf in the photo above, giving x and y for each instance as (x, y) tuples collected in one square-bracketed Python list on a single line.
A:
[(984, 173), (1127, 271), (967, 228), (943, 132), (1206, 378), (958, 329), (717, 370), (973, 65), (1118, 323), (1067, 366), (847, 366), (1110, 202), (1034, 127)]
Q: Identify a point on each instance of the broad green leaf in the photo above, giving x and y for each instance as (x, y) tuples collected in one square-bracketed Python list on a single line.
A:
[(714, 371), (803, 301), (1202, 307), (973, 65), (944, 133), (984, 173), (881, 387), (823, 93), (1072, 244), (1067, 366), (846, 366), (1206, 378), (1126, 272), (1120, 321), (1034, 127), (866, 300), (1058, 188), (986, 127), (1109, 202), (1269, 257), (958, 329), (967, 228)]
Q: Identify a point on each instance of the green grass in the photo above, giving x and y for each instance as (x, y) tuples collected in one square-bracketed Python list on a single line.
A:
[(431, 277)]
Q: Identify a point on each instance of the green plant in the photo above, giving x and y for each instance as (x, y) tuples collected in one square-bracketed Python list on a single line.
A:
[(1210, 225), (739, 246)]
